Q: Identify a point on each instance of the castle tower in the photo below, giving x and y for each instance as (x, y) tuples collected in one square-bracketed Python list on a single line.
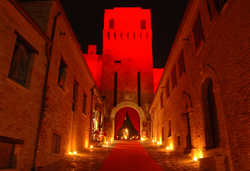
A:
[(127, 70)]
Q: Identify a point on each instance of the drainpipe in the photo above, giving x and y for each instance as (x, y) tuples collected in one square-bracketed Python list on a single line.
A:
[(91, 116), (44, 105)]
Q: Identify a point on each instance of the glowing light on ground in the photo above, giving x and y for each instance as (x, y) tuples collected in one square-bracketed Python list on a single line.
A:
[(75, 153), (91, 146)]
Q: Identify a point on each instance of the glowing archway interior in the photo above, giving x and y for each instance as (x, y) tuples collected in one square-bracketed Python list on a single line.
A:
[(129, 105)]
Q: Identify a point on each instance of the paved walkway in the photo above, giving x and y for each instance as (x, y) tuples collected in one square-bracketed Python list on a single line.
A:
[(94, 159), (130, 156)]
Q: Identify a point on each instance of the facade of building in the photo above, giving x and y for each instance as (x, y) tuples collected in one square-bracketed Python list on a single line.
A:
[(53, 98), (201, 106), (127, 65), (47, 90)]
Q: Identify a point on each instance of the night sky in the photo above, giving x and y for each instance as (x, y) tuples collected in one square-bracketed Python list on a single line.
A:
[(86, 18)]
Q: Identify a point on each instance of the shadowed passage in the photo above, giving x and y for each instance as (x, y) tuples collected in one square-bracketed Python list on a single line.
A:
[(130, 155)]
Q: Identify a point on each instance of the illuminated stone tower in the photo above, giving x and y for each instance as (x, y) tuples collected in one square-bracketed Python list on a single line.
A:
[(127, 70)]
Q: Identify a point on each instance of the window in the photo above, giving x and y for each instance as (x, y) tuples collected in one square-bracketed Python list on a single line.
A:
[(215, 6), (62, 74), (181, 64), (75, 89), (7, 148), (115, 88), (169, 128), (174, 81), (21, 63), (198, 33), (162, 133), (56, 143), (161, 100), (139, 88), (167, 90), (84, 103), (143, 24), (111, 23)]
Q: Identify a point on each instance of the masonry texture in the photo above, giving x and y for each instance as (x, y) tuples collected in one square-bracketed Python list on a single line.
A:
[(223, 57), (55, 100)]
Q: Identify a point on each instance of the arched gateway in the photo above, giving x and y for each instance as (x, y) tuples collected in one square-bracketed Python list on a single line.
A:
[(135, 113)]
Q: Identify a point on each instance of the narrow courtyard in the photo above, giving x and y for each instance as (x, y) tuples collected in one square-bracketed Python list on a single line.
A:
[(128, 155)]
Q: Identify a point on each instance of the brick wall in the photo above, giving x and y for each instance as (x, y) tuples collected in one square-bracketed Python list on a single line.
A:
[(20, 107), (223, 57)]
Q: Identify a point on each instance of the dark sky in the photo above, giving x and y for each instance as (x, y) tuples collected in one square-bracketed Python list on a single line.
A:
[(86, 18)]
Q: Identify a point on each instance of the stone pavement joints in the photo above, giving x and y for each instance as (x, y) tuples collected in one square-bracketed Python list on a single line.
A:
[(86, 160), (93, 159), (170, 160)]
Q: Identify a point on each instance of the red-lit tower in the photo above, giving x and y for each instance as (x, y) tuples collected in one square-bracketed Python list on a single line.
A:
[(127, 70)]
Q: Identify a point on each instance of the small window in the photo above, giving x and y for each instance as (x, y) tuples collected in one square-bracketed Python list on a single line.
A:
[(161, 100), (62, 74), (215, 6), (174, 81), (167, 90), (179, 140), (198, 33), (181, 64), (56, 143), (111, 23), (75, 90), (84, 103), (21, 63), (169, 128), (143, 24)]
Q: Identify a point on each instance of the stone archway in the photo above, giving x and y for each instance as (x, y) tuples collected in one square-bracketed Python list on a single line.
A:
[(123, 105)]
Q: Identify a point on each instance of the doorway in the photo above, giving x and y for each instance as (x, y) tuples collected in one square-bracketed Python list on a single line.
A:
[(127, 124)]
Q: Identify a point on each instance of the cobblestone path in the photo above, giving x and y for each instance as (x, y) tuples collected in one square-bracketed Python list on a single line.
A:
[(93, 159)]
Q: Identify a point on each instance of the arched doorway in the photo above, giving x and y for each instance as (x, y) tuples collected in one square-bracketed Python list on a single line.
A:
[(130, 105), (120, 116), (212, 132)]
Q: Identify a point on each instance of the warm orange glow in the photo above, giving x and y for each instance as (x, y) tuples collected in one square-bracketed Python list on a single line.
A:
[(91, 146), (75, 153), (107, 142), (167, 148), (158, 143), (195, 158), (171, 146), (153, 141)]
